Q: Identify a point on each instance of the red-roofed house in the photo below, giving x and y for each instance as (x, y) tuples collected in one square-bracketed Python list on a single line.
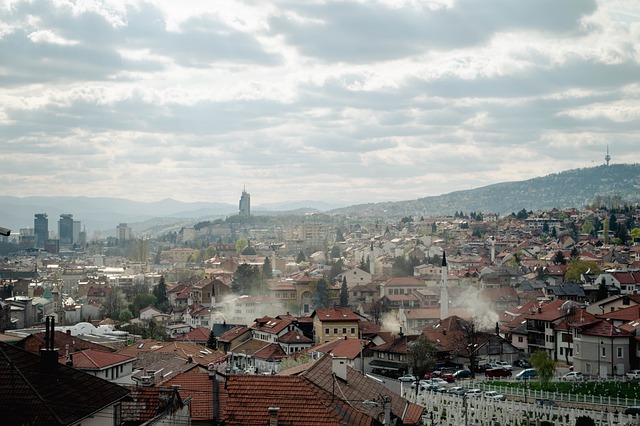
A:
[(111, 366), (541, 322), (199, 336), (602, 349), (334, 323)]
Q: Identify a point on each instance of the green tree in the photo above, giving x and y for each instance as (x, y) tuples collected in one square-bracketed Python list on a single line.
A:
[(336, 269), (335, 252), (365, 264), (125, 315), (579, 267), (339, 236), (267, 269), (587, 227), (241, 244), (558, 258), (635, 234), (160, 293), (545, 366), (141, 301), (301, 257), (321, 295), (211, 341), (603, 291), (247, 279), (344, 293)]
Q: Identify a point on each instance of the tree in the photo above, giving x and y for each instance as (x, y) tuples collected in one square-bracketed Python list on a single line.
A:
[(321, 295), (267, 269), (365, 264), (211, 341), (378, 309), (241, 244), (558, 258), (301, 257), (141, 301), (603, 291), (544, 365), (335, 252), (247, 279), (344, 293), (579, 267), (160, 292), (467, 344), (339, 236), (113, 303), (421, 356)]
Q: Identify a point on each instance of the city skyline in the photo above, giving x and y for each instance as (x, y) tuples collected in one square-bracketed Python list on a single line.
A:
[(346, 102)]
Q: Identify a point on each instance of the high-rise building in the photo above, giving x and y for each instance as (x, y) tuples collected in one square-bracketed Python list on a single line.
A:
[(41, 229), (123, 233), (65, 229), (245, 204)]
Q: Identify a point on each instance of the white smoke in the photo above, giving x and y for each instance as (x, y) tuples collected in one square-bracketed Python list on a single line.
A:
[(480, 309), (389, 322)]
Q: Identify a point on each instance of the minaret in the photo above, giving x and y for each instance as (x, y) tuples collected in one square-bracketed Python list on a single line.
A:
[(444, 293), (607, 157), (493, 249)]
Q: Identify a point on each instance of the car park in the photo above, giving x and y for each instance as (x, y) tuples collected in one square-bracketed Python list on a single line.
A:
[(407, 378), (633, 375), (449, 378), (497, 372), (572, 376), (423, 384), (438, 381), (495, 395), (528, 373)]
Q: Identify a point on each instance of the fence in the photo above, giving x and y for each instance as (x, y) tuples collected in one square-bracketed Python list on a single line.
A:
[(447, 410)]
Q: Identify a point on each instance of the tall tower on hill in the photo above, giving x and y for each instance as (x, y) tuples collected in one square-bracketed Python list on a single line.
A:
[(607, 157), (245, 204), (444, 291)]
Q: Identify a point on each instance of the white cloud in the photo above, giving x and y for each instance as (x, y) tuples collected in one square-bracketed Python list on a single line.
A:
[(359, 100)]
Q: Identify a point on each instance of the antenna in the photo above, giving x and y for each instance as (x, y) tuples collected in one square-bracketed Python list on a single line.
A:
[(607, 157)]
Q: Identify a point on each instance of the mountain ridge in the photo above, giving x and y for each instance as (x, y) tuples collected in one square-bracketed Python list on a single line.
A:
[(571, 188)]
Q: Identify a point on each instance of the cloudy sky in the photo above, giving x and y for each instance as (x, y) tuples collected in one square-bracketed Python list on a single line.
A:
[(342, 101)]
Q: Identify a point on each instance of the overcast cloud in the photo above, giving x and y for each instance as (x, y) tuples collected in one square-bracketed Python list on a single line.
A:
[(341, 101)]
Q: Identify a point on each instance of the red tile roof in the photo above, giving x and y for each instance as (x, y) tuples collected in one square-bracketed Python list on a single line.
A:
[(200, 334), (335, 314), (200, 388), (95, 360), (233, 333), (294, 337), (403, 281)]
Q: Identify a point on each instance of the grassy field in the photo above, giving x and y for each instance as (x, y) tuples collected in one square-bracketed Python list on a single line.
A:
[(596, 388)]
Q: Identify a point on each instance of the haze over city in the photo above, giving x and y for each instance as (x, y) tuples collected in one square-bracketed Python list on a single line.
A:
[(346, 101)]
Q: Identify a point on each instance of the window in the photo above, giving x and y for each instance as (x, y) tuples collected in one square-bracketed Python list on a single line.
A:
[(344, 331), (577, 347), (620, 353), (587, 368), (603, 351), (335, 331), (353, 330), (326, 331), (390, 356), (520, 339), (561, 351)]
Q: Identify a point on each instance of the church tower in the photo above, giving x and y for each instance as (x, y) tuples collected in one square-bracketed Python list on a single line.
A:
[(444, 292)]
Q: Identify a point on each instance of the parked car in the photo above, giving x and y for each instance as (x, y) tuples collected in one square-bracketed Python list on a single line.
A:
[(497, 372), (545, 402), (462, 374), (456, 390), (429, 375), (449, 378), (423, 384), (502, 364), (633, 374), (522, 363), (528, 373), (474, 393), (634, 411), (572, 376), (495, 395), (439, 389), (407, 378), (438, 381)]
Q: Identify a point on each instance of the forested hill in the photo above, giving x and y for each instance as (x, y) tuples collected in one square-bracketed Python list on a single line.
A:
[(572, 188)]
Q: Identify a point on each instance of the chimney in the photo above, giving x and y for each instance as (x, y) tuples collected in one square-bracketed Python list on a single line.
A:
[(69, 360), (48, 354), (400, 333), (273, 416), (444, 331), (339, 367)]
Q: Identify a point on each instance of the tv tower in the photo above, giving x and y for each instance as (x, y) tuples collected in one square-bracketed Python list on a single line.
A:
[(607, 157)]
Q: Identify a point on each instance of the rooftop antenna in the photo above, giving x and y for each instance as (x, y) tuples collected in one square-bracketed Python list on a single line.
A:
[(607, 157)]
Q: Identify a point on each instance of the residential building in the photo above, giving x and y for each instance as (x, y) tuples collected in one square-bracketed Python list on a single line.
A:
[(116, 368), (334, 323), (602, 349)]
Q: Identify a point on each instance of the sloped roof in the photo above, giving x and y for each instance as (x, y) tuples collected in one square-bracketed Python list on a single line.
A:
[(346, 348), (294, 337), (626, 314), (200, 388), (403, 281), (271, 352), (335, 314), (232, 334), (299, 403), (61, 395), (200, 334), (90, 359)]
